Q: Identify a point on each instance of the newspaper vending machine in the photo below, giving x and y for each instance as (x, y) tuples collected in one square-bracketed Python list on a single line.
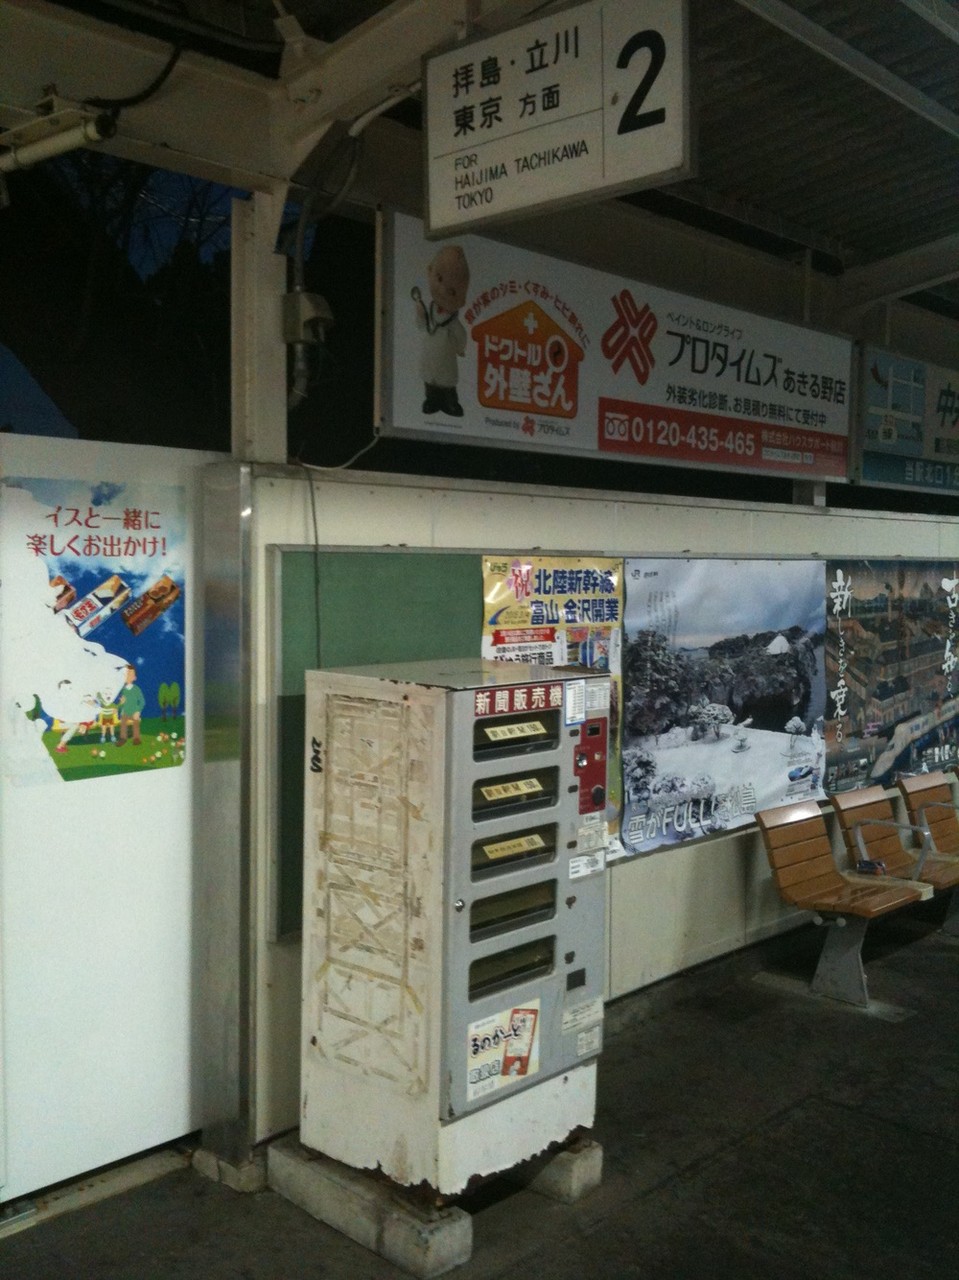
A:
[(454, 913)]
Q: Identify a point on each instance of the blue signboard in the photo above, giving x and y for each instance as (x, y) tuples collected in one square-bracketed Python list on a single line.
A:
[(910, 423)]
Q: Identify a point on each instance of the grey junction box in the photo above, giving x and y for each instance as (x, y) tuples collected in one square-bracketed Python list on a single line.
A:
[(454, 908)]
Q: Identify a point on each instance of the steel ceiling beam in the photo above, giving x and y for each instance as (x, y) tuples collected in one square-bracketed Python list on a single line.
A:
[(938, 14), (904, 273), (342, 81), (210, 120), (217, 121), (821, 41)]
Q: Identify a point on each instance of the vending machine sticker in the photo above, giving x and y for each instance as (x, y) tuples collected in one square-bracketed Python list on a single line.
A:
[(509, 848), (576, 702), (587, 864), (588, 1042), (501, 1049), (592, 836), (504, 732), (512, 790), (577, 1017)]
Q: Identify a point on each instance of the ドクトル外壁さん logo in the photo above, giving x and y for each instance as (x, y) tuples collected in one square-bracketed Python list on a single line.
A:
[(527, 363)]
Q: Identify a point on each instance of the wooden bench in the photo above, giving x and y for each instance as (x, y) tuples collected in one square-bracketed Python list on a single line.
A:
[(870, 831), (931, 808), (800, 855)]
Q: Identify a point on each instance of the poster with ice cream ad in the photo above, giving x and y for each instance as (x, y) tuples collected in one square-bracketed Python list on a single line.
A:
[(93, 663), (724, 694)]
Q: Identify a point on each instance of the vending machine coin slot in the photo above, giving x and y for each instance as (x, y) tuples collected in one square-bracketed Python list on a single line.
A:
[(589, 764)]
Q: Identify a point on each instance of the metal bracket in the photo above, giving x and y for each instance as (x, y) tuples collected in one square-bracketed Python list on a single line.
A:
[(59, 126), (306, 317), (839, 974)]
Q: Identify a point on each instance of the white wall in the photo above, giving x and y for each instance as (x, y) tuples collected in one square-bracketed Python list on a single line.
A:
[(669, 910), (97, 904)]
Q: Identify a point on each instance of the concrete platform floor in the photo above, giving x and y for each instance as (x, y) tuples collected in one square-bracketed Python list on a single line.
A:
[(749, 1131)]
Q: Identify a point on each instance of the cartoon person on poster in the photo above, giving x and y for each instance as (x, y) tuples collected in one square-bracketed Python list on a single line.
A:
[(130, 702), (444, 338), (107, 721), (88, 706)]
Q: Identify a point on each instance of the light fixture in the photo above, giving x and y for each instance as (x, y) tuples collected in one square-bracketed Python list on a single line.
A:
[(58, 127)]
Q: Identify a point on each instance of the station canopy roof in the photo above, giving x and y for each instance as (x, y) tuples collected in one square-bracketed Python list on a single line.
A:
[(825, 130)]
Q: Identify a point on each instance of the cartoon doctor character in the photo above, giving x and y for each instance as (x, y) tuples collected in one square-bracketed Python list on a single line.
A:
[(444, 338)]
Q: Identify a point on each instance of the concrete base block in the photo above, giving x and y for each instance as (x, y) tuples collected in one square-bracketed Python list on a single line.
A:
[(246, 1177), (375, 1214), (567, 1176)]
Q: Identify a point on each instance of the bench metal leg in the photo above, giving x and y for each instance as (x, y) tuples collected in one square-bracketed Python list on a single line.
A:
[(840, 974), (951, 922)]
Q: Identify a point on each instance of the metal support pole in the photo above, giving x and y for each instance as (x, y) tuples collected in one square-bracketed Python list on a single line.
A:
[(224, 874), (258, 351)]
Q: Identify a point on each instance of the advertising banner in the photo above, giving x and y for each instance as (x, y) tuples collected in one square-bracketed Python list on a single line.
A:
[(94, 652), (493, 345), (893, 687), (910, 422), (561, 611), (723, 694)]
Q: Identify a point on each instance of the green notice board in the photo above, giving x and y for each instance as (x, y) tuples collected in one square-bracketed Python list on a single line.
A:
[(367, 606)]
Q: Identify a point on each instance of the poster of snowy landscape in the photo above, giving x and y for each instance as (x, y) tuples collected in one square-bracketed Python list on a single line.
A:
[(893, 686), (724, 694)]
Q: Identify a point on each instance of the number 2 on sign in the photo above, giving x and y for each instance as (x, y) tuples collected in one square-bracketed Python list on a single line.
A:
[(634, 117)]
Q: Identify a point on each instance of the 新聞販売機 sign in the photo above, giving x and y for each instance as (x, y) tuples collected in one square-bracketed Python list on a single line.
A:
[(584, 102)]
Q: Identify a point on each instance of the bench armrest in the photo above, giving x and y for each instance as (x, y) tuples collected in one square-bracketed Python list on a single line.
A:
[(935, 804), (926, 846)]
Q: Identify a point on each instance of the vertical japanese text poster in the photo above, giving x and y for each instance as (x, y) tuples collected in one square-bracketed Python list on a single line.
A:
[(494, 345), (893, 687), (724, 694), (94, 648), (560, 611), (911, 422)]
